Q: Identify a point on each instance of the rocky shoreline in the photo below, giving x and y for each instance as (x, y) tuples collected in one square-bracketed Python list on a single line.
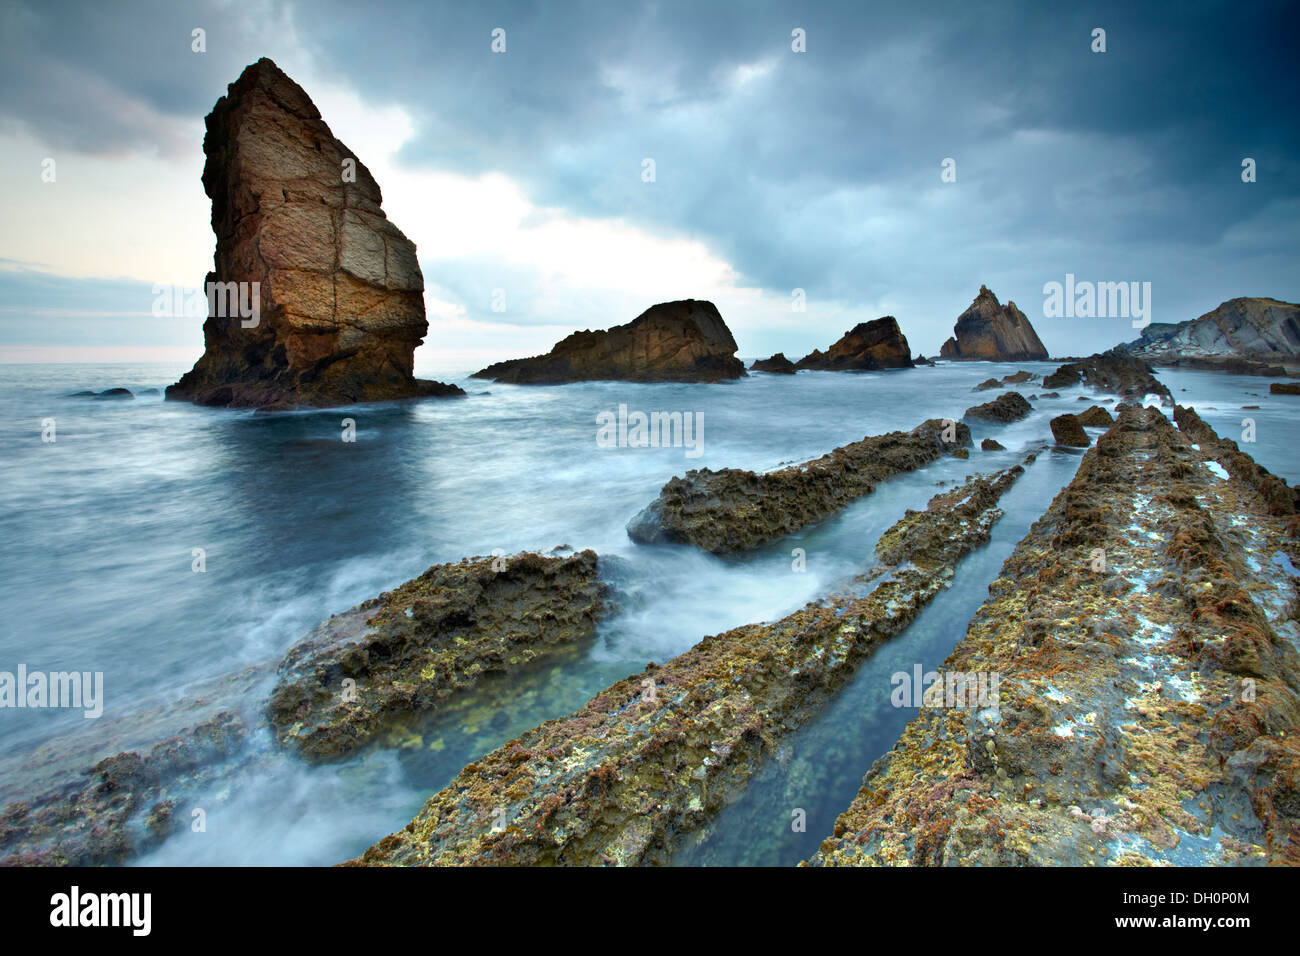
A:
[(655, 755), (1144, 632)]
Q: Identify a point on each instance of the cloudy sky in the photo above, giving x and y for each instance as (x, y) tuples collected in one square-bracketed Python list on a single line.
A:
[(775, 170)]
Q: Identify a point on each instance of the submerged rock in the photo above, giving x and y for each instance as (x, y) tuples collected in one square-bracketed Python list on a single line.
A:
[(1008, 407), (653, 757), (777, 364), (1067, 431), (1284, 388), (867, 346), (734, 510), (339, 305), (403, 653), (1149, 693), (994, 332), (684, 341)]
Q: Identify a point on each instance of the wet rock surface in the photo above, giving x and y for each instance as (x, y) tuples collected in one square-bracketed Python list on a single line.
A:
[(364, 672), (654, 756), (340, 292), (685, 341), (1008, 407), (1149, 703), (104, 797), (1068, 430), (994, 332), (868, 346), (732, 510), (1284, 388)]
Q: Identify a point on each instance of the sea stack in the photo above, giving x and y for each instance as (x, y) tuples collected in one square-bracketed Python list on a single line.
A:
[(334, 289), (684, 341), (867, 346), (993, 332)]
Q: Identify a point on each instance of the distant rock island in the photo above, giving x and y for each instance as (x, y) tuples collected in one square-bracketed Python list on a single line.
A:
[(993, 332), (1234, 336), (340, 296), (867, 346), (778, 364), (684, 341)]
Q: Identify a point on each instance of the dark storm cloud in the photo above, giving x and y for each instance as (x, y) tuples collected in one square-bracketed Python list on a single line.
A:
[(822, 169)]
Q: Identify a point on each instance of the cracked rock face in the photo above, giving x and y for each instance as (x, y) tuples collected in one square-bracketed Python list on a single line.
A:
[(995, 332), (340, 293)]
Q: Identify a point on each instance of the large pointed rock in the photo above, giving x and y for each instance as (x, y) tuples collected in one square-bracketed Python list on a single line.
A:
[(340, 294), (993, 332), (684, 341)]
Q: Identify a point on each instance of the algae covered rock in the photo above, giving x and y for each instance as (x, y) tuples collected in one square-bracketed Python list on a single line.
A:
[(733, 510), (1095, 417), (400, 654)]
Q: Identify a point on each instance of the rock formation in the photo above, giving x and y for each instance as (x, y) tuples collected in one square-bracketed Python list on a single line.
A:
[(1008, 407), (684, 341), (1111, 371), (733, 510), (1095, 417), (627, 778), (1258, 329), (993, 332), (1067, 430), (1122, 735), (1284, 388), (411, 648), (865, 347), (778, 364), (338, 306)]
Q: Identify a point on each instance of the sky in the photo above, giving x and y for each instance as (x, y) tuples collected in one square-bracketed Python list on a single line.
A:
[(775, 169)]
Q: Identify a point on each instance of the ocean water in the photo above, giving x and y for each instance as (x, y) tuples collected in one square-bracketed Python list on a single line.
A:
[(98, 532)]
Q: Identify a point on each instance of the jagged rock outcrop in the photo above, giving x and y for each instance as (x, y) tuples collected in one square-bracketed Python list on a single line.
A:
[(409, 649), (733, 510), (778, 364), (867, 346), (1008, 407), (993, 332), (684, 341), (1115, 371), (338, 308), (1258, 330)]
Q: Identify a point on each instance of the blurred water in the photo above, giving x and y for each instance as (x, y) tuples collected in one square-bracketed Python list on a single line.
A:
[(97, 531)]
